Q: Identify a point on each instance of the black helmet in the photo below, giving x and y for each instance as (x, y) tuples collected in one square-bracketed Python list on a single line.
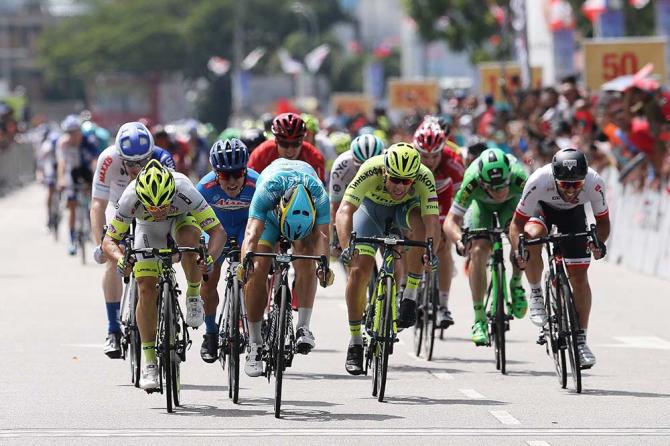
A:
[(252, 138), (569, 165)]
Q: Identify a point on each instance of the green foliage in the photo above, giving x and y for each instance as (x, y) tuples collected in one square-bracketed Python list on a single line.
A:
[(639, 22)]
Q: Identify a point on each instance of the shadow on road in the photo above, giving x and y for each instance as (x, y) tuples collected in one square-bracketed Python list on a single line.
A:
[(469, 340), (324, 376), (190, 410), (414, 368), (204, 388), (271, 401), (448, 359), (322, 415), (528, 373), (421, 400), (604, 392)]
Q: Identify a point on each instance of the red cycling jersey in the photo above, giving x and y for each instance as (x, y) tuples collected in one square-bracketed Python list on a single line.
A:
[(448, 178), (267, 152)]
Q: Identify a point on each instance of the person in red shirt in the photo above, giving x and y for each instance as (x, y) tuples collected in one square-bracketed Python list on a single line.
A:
[(289, 132), (442, 158)]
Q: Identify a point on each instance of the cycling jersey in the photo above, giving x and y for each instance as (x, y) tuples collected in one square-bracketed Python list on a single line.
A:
[(232, 212), (110, 178), (472, 190), (541, 191), (280, 176), (186, 200), (267, 152), (75, 157), (369, 183), (448, 178), (344, 170)]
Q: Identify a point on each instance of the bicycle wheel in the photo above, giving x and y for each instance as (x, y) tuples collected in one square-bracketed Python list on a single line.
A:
[(234, 340), (175, 360), (571, 329), (430, 320), (165, 356), (134, 344), (422, 315), (552, 333), (499, 322), (387, 338), (374, 350), (281, 347)]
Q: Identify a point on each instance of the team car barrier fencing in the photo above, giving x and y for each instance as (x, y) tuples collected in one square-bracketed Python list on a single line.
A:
[(17, 166)]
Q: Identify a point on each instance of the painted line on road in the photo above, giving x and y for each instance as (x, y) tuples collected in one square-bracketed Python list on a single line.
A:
[(443, 375), (336, 432), (537, 443), (472, 394), (504, 417), (642, 342)]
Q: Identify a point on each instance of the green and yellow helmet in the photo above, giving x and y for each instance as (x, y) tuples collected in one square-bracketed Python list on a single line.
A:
[(155, 185), (402, 160)]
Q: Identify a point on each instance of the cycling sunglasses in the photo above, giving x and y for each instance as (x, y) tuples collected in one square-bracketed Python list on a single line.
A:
[(235, 174), (571, 184), (137, 164), (403, 181), (155, 209), (289, 144)]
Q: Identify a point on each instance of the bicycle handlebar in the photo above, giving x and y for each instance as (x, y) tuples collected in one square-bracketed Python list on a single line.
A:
[(201, 250), (553, 238), (285, 258)]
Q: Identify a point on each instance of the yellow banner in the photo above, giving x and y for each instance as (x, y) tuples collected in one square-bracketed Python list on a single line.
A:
[(413, 95), (607, 59), (490, 75)]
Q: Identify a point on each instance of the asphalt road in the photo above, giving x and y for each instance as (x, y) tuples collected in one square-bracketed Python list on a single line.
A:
[(57, 387)]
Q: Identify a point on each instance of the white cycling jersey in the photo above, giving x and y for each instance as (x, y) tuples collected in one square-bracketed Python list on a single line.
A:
[(541, 188), (344, 170)]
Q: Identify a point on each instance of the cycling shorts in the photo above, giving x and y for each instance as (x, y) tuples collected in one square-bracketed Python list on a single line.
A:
[(480, 215), (575, 252)]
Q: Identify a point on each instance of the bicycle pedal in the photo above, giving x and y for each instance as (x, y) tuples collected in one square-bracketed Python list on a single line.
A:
[(303, 349), (150, 391), (541, 340)]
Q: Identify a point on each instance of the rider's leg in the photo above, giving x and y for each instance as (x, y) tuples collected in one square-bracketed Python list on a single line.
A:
[(359, 273), (305, 278), (256, 293), (210, 297), (112, 290), (146, 312), (480, 251), (534, 228), (581, 291), (187, 233), (446, 270), (414, 256)]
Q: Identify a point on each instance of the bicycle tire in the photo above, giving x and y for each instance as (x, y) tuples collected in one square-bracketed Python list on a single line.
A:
[(571, 330), (135, 344), (375, 343), (552, 334), (419, 326), (281, 347), (165, 356), (387, 341), (499, 323), (175, 361), (431, 320), (234, 335)]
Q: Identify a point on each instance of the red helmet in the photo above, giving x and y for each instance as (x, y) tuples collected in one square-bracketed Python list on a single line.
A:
[(429, 137), (288, 126)]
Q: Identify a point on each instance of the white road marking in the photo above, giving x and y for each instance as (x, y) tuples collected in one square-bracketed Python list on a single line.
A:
[(537, 443), (83, 345), (472, 394), (443, 375), (334, 432), (643, 342), (504, 417)]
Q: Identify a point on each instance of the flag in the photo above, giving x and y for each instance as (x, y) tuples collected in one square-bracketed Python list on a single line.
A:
[(218, 65), (288, 64), (638, 4), (560, 16), (315, 58), (592, 9), (252, 58)]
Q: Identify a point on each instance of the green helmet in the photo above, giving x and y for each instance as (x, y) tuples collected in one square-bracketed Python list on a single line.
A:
[(341, 141), (311, 123), (155, 185), (494, 168)]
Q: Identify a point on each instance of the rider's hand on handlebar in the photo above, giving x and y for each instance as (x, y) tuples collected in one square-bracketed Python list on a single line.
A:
[(598, 251), (99, 255), (206, 265), (335, 250), (431, 265), (123, 269), (460, 248), (347, 255), (519, 261), (328, 279)]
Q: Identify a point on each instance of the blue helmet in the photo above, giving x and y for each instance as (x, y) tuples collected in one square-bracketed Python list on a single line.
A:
[(134, 141), (296, 213), (366, 130), (228, 155), (366, 146), (71, 123)]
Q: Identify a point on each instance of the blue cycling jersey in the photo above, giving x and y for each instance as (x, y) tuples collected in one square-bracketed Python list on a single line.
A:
[(232, 212), (281, 175)]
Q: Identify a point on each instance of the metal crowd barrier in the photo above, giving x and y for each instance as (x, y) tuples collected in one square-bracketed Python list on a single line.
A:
[(17, 166)]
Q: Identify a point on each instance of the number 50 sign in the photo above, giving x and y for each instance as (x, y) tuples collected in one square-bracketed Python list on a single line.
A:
[(607, 59)]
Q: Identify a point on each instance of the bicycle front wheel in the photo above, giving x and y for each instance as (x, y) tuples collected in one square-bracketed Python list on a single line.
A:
[(281, 348), (175, 360), (430, 320), (552, 333), (234, 323), (386, 325), (499, 323), (165, 360), (571, 330), (420, 325)]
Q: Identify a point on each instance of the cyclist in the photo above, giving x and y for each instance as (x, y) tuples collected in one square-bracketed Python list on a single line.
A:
[(75, 156), (442, 158), (47, 163), (252, 138), (228, 189), (319, 139), (344, 170), (492, 183), (555, 195), (117, 165), (163, 204), (289, 133), (397, 187), (290, 199)]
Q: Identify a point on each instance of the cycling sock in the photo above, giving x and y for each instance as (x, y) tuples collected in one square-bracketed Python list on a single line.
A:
[(480, 316), (113, 317), (581, 336), (149, 349), (72, 236), (193, 289), (210, 324), (304, 316), (444, 299), (413, 281), (255, 335), (355, 330), (536, 289)]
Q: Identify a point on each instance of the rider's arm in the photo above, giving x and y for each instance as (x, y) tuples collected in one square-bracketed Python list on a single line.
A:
[(432, 224), (344, 222), (252, 235), (516, 229), (217, 240), (98, 206), (596, 194), (323, 240), (452, 226)]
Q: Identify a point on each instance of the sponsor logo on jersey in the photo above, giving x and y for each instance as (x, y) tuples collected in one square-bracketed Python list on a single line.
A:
[(184, 198), (230, 204), (103, 169), (206, 222), (365, 175), (569, 164), (337, 188)]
